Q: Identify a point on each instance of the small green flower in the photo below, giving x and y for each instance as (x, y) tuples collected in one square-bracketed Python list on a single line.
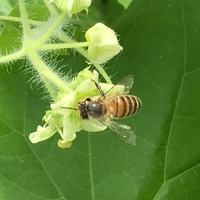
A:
[(72, 6), (64, 117), (103, 43)]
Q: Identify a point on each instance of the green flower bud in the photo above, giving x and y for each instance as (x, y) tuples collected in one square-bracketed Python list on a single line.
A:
[(72, 6), (103, 43)]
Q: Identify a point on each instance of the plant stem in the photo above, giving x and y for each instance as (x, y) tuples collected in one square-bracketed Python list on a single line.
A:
[(26, 27), (51, 8), (17, 19), (52, 28), (46, 72), (50, 88), (62, 46), (13, 56)]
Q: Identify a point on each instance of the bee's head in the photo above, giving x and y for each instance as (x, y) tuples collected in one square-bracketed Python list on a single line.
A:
[(82, 107)]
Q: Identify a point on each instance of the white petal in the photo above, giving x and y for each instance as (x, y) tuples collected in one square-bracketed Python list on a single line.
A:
[(71, 125), (41, 134)]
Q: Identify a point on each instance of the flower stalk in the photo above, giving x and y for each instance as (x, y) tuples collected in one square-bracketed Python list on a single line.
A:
[(47, 47)]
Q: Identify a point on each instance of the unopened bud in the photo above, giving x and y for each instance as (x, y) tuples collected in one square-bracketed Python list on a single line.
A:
[(103, 43)]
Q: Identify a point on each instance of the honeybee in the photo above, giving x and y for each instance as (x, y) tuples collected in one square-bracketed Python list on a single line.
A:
[(109, 107)]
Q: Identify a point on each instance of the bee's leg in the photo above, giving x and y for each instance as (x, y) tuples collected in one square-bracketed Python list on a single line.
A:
[(99, 88)]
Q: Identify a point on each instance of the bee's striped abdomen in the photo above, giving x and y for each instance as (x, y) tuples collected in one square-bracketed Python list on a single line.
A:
[(123, 106)]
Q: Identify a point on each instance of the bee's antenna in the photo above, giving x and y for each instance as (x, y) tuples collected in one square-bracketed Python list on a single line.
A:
[(69, 108)]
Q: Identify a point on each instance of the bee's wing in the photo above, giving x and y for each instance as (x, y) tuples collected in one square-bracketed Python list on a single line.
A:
[(127, 81), (121, 130)]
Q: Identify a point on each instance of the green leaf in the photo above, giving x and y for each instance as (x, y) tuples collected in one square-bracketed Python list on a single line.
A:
[(5, 7), (161, 45)]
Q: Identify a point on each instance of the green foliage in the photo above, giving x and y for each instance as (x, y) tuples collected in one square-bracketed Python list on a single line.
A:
[(125, 3), (161, 44)]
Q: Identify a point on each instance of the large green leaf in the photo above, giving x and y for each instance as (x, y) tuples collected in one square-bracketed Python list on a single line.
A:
[(161, 45)]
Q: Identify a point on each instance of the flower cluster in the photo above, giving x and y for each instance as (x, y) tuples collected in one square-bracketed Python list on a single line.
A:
[(64, 116)]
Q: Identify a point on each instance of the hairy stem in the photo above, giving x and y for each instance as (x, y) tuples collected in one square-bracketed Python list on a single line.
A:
[(17, 19), (25, 24), (52, 28), (46, 72), (62, 46), (51, 8), (13, 56), (50, 88)]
